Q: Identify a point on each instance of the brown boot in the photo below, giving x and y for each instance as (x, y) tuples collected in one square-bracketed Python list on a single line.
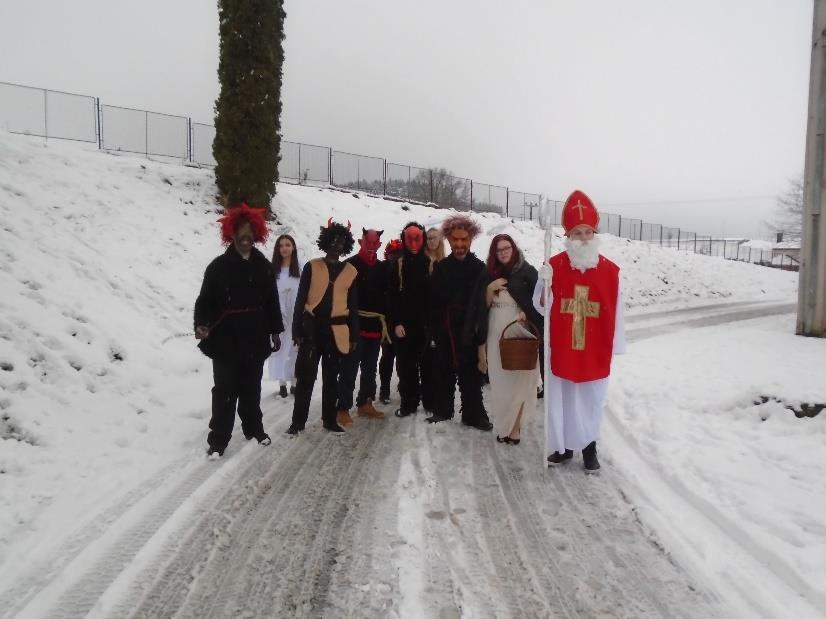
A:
[(343, 418), (368, 410)]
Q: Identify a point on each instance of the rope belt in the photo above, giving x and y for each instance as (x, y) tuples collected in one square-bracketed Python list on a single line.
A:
[(385, 334)]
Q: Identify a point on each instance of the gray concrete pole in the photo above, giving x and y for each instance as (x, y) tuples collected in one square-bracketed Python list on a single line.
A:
[(811, 304)]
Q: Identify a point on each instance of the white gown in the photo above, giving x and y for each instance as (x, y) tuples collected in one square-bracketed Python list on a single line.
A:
[(511, 391), (281, 364), (573, 411)]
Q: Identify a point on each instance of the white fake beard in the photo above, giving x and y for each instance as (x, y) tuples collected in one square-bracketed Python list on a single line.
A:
[(584, 255)]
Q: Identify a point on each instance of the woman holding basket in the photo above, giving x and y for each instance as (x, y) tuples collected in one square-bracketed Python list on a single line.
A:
[(504, 296)]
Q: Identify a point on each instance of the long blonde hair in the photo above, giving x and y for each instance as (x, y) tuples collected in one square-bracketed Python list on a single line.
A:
[(439, 252)]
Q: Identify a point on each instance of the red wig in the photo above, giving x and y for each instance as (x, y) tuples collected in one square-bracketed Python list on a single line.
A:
[(235, 216), (495, 268)]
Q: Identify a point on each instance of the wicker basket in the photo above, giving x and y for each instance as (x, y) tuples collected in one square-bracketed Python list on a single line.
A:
[(519, 353)]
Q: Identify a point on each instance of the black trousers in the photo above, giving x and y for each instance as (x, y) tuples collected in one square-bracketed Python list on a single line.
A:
[(409, 354), (468, 377), (428, 378), (388, 359), (316, 345), (366, 357), (236, 381)]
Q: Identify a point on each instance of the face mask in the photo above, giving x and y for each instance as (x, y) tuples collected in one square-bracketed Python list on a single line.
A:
[(413, 239), (370, 241)]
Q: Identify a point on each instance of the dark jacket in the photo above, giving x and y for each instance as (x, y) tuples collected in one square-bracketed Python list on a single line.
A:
[(239, 303), (521, 283), (452, 286), (372, 293), (408, 285)]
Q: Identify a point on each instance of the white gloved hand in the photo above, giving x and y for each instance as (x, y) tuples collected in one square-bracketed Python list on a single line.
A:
[(545, 272)]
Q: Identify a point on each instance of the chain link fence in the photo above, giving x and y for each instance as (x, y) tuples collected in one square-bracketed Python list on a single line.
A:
[(69, 116)]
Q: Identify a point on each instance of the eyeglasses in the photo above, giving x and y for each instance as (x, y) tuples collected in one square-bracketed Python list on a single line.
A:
[(504, 250)]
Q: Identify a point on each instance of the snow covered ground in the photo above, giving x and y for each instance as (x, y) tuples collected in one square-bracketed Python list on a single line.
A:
[(103, 413)]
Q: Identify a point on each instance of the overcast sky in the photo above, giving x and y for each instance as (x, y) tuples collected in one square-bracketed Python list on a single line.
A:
[(690, 114)]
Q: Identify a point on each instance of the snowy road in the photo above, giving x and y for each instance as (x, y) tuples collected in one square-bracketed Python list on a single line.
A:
[(396, 518)]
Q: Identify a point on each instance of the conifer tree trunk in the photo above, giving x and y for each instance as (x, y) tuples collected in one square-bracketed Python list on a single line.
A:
[(247, 141)]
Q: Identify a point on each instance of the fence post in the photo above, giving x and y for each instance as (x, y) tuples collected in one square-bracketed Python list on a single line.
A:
[(471, 195), (619, 227), (146, 133), (358, 174), (97, 123), (695, 242), (299, 163), (507, 200), (384, 179), (330, 154), (189, 138), (678, 239), (46, 114), (640, 230), (661, 235), (431, 185)]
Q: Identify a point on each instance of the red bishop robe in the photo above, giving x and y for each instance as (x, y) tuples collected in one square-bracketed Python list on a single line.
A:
[(583, 317)]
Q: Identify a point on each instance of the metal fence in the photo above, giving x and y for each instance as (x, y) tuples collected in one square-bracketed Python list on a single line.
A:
[(68, 116)]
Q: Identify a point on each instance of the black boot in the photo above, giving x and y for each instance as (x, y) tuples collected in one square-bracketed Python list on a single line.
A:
[(559, 458), (263, 439), (283, 391), (214, 452), (292, 389), (434, 418), (295, 429), (589, 458), (332, 427), (384, 396)]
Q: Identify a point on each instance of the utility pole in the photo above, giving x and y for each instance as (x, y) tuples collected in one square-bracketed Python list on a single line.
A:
[(811, 304)]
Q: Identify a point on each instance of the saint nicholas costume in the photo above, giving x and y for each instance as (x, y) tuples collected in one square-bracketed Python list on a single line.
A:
[(585, 330)]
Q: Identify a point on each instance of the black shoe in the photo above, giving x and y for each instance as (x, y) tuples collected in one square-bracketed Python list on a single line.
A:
[(589, 458), (400, 413), (214, 450), (333, 427), (540, 393), (264, 439), (502, 439), (283, 391), (436, 419), (292, 389), (294, 429), (482, 424), (559, 458), (384, 397)]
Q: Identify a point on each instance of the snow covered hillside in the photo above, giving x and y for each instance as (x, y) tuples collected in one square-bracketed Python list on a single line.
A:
[(101, 258)]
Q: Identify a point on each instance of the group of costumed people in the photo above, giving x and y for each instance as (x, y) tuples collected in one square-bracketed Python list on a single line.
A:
[(438, 318)]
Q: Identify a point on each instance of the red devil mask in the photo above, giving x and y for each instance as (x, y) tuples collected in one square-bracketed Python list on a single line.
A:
[(370, 242), (413, 239)]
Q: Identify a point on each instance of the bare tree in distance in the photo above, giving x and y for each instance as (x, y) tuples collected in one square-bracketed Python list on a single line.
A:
[(788, 217)]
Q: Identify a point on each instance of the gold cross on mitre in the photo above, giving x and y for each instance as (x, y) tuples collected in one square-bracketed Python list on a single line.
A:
[(581, 208), (581, 308)]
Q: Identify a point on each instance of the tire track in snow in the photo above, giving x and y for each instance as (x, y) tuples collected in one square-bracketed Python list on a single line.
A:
[(290, 548)]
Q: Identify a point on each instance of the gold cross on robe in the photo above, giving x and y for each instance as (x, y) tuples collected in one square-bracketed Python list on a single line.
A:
[(581, 308)]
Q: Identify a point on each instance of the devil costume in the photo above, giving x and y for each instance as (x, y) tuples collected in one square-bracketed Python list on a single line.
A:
[(407, 294), (325, 325), (238, 306), (370, 284)]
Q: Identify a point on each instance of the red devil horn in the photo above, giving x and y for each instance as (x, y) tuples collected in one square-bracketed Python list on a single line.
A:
[(348, 224), (330, 222)]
